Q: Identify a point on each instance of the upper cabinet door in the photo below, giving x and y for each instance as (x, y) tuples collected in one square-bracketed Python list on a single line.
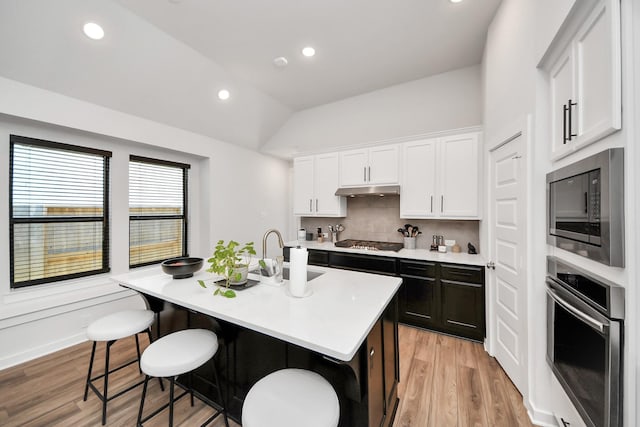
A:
[(459, 178), (562, 93), (599, 73), (327, 180), (585, 77), (418, 198), (353, 167), (303, 182), (383, 165)]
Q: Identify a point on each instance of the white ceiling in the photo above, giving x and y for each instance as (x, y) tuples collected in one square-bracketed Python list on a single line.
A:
[(166, 59)]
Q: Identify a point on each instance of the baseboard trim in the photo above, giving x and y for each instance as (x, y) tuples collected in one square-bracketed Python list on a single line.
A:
[(44, 350), (539, 417)]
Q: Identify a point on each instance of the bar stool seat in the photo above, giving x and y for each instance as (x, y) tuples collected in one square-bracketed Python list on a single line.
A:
[(179, 353), (109, 329), (175, 354), (120, 325), (291, 398)]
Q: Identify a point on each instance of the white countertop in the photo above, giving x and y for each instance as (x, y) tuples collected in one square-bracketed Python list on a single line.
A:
[(334, 320), (418, 254)]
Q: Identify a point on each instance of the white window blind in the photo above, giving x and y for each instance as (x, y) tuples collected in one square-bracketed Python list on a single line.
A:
[(59, 226), (157, 210)]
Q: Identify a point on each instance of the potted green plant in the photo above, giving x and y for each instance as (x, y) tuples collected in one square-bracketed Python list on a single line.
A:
[(230, 261)]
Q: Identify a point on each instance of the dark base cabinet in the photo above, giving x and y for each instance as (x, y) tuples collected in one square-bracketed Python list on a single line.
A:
[(447, 298), (367, 386)]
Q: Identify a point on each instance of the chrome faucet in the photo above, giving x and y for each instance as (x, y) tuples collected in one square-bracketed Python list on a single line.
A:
[(264, 241)]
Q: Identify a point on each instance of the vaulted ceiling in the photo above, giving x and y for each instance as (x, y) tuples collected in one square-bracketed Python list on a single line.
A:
[(165, 60)]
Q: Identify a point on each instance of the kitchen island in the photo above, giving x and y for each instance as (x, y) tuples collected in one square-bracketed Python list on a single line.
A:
[(346, 330)]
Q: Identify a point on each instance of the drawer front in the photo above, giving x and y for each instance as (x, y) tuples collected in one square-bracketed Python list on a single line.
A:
[(462, 273), (316, 257), (417, 268), (320, 258), (366, 263)]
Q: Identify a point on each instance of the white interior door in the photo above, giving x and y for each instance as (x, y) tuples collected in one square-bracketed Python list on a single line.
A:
[(507, 228)]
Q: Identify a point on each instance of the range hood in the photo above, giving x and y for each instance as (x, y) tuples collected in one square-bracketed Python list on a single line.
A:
[(371, 190)]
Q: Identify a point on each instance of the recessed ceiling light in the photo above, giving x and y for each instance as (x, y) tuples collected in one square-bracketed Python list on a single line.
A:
[(223, 94), (93, 31), (280, 61), (455, 1), (308, 51)]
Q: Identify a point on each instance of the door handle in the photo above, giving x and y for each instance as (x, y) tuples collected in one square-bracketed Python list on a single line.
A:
[(310, 205), (577, 313), (316, 205), (586, 202), (364, 176), (369, 168), (432, 203), (371, 353), (491, 265), (441, 204)]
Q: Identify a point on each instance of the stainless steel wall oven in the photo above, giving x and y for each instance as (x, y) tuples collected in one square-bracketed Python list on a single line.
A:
[(585, 319), (586, 208)]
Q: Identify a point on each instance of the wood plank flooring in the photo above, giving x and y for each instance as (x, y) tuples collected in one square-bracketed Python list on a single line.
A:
[(444, 382)]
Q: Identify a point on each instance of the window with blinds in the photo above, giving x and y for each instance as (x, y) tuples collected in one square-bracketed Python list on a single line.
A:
[(59, 213), (157, 210)]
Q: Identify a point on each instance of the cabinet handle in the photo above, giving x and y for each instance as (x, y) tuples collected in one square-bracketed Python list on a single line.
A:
[(569, 108), (364, 172), (441, 204), (369, 168), (564, 123), (316, 205), (310, 205), (432, 203), (371, 353)]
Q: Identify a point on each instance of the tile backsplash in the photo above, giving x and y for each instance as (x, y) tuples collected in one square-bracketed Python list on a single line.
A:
[(378, 218)]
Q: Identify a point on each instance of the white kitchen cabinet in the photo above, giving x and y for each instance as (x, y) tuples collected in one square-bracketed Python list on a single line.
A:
[(418, 185), (315, 181), (584, 69), (369, 166), (440, 178)]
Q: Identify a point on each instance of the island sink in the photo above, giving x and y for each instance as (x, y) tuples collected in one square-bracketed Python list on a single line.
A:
[(310, 274)]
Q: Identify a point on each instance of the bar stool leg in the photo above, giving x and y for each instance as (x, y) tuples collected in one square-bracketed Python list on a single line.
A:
[(172, 381), (86, 386), (144, 394), (106, 382), (138, 351)]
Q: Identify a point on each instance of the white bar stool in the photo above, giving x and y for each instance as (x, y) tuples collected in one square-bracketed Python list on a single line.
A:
[(111, 328), (291, 398), (176, 354)]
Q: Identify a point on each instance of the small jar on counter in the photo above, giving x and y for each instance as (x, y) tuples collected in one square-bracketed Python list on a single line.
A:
[(320, 238)]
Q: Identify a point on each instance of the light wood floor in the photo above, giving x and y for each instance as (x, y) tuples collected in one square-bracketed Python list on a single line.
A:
[(444, 382)]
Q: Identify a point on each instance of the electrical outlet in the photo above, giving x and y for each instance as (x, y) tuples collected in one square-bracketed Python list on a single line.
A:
[(325, 235)]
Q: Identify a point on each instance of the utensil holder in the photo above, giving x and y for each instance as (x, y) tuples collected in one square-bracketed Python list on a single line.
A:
[(409, 242)]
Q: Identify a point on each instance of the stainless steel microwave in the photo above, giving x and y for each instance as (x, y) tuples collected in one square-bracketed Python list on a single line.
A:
[(585, 202)]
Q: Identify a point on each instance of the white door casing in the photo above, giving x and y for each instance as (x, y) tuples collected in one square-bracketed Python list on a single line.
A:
[(507, 245)]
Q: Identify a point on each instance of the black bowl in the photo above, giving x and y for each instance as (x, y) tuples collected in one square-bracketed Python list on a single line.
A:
[(182, 267)]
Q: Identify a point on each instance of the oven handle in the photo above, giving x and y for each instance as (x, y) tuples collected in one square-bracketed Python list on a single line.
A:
[(579, 314)]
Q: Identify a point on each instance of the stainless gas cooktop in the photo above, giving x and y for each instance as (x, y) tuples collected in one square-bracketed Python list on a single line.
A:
[(369, 245)]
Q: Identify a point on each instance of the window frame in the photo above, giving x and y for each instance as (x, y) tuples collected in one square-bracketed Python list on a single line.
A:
[(105, 218), (185, 206)]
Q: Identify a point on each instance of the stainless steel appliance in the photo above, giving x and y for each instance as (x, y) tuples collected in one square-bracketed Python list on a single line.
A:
[(586, 207), (369, 245), (585, 319)]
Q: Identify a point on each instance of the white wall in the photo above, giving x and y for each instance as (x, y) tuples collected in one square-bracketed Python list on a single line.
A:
[(235, 193), (513, 87), (446, 101)]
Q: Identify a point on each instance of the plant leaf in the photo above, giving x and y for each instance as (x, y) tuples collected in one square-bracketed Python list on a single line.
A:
[(229, 293), (217, 291), (201, 283)]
